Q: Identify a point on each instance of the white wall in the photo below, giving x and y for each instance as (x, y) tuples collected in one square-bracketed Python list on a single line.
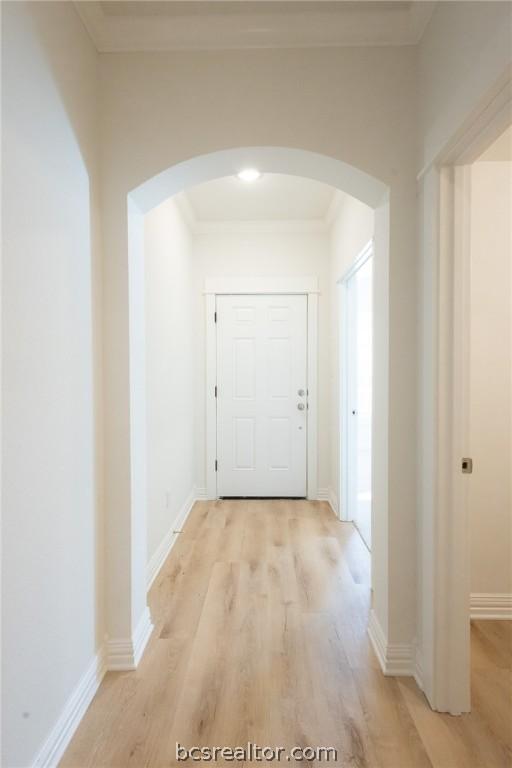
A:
[(490, 500), (464, 51), (265, 254), (51, 550), (351, 229), (171, 346), (356, 105)]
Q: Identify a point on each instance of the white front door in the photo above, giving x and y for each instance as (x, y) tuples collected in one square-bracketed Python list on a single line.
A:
[(261, 395)]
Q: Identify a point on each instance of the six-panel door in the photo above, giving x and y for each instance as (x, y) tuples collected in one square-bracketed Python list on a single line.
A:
[(261, 395)]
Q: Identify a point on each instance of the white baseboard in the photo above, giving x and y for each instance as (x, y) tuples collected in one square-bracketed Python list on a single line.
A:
[(489, 605), (201, 494), (118, 655), (377, 639), (124, 654), (74, 710), (418, 669), (326, 494), (161, 554), (121, 654), (395, 659), (333, 501)]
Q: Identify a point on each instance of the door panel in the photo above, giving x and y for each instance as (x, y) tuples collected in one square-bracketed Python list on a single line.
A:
[(261, 366)]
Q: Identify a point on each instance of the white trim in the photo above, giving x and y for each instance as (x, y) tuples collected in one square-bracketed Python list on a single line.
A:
[(418, 668), (312, 435), (75, 708), (377, 639), (449, 689), (124, 654), (490, 118), (161, 553), (491, 605), (259, 30), (249, 227), (201, 494), (328, 495), (211, 400), (358, 262), (343, 372), (264, 285), (395, 659)]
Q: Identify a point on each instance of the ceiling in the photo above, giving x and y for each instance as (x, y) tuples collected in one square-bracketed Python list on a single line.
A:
[(273, 197), (167, 25), (500, 150)]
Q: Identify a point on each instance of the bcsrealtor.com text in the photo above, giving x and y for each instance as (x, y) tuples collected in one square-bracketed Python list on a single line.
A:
[(254, 752)]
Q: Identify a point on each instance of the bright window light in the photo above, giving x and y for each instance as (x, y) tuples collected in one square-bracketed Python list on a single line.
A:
[(249, 174)]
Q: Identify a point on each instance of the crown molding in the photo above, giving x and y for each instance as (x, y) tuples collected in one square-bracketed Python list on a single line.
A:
[(122, 26), (198, 226), (247, 227), (286, 226)]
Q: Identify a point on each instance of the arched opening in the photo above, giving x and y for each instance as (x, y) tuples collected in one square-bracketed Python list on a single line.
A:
[(150, 194)]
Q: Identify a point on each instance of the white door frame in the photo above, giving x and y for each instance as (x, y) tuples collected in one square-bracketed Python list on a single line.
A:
[(444, 668), (343, 359), (307, 286)]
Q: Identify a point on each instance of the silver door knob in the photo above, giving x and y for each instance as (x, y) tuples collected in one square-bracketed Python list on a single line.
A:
[(301, 393), (300, 406)]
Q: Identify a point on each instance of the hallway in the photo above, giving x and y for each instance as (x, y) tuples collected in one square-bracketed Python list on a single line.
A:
[(260, 619)]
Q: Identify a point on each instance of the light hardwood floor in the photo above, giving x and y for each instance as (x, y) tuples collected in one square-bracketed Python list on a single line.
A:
[(260, 634)]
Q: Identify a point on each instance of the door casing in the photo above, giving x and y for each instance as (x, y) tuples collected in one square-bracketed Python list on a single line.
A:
[(343, 358), (307, 286), (443, 665)]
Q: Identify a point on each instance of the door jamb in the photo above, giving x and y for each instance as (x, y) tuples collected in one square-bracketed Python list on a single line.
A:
[(286, 286), (362, 258)]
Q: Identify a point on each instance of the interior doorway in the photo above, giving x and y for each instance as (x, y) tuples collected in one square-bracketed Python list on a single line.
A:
[(446, 663), (490, 380), (357, 378)]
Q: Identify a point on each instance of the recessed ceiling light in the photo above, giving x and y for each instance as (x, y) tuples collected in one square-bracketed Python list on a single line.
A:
[(249, 174)]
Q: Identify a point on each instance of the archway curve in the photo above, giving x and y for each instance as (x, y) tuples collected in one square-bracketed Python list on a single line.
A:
[(151, 193), (285, 160)]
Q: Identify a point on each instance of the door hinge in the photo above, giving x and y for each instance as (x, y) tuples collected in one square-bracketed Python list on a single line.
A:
[(215, 317), (215, 390), (216, 465), (467, 466)]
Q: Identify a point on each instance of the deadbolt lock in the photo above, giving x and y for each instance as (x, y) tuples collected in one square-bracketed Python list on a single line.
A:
[(301, 393)]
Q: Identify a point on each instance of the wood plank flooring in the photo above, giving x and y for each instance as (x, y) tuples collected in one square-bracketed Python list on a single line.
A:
[(260, 619)]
